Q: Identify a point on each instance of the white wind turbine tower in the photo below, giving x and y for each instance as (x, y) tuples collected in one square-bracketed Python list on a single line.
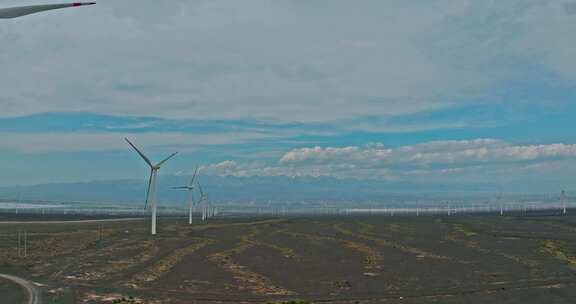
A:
[(15, 12), (499, 199), (207, 209), (189, 188), (203, 202), (151, 182)]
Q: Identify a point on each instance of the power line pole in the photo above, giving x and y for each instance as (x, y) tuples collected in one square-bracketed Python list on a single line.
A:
[(25, 244), (19, 243)]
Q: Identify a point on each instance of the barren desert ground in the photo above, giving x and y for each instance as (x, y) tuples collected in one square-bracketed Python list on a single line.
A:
[(371, 259)]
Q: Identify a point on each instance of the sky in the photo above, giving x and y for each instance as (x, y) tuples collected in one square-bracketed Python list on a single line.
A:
[(457, 91)]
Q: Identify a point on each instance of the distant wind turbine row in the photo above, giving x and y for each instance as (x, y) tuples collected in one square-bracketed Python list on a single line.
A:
[(207, 210), (19, 11)]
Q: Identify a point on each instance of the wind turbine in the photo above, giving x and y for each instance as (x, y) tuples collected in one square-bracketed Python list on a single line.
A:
[(190, 189), (499, 199), (19, 11), (203, 201), (152, 181)]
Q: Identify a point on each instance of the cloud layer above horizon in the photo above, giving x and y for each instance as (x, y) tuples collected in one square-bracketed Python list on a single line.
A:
[(457, 89), (479, 160)]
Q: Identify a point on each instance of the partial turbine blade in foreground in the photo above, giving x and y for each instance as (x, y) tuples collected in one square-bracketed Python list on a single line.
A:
[(146, 159), (14, 12)]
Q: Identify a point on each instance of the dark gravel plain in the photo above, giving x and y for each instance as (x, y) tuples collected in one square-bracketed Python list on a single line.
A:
[(522, 258)]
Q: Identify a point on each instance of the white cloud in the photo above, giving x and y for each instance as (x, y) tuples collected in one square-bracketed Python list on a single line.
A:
[(428, 154), (281, 60), (224, 166), (479, 160)]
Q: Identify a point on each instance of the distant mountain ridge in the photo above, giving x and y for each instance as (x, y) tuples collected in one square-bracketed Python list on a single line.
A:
[(240, 189)]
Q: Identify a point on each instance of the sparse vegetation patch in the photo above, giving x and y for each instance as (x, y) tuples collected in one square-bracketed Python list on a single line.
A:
[(559, 251)]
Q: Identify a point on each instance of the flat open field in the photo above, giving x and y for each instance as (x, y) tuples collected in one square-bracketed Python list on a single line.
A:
[(372, 259)]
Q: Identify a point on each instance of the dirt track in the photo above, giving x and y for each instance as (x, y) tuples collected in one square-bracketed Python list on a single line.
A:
[(55, 222), (32, 291)]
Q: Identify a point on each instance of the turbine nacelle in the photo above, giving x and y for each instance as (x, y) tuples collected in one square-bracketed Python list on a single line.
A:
[(183, 188)]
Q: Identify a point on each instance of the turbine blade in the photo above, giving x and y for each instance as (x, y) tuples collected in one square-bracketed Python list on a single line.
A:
[(19, 11), (146, 159), (201, 192), (194, 177), (148, 191), (166, 159)]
